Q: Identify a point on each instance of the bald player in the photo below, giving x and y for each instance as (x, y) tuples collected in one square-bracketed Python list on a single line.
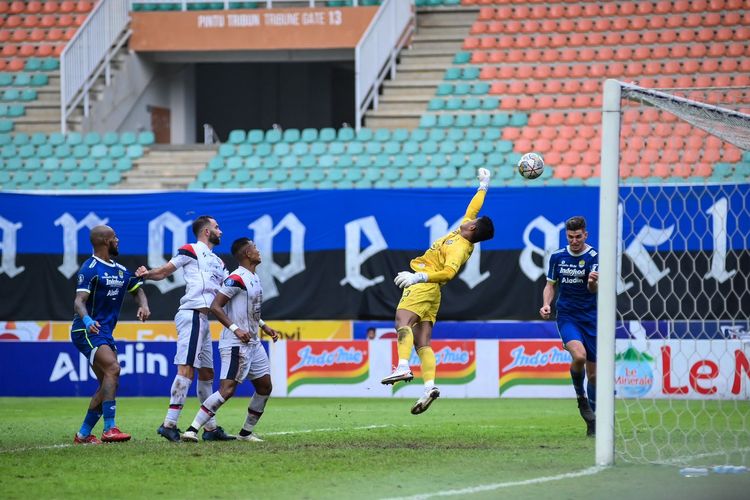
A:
[(102, 284)]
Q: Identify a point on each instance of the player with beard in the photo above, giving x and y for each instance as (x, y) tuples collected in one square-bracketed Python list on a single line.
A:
[(204, 273), (101, 287)]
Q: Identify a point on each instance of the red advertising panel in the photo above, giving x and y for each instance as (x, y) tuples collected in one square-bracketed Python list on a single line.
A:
[(456, 362), (532, 362), (326, 362)]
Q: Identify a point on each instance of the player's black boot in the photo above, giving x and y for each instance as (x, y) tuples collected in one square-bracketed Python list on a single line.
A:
[(217, 434), (169, 433), (587, 414)]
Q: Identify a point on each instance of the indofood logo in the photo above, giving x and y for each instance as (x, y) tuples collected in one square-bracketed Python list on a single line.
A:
[(633, 374)]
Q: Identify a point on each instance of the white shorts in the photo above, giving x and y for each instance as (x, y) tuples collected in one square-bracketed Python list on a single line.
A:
[(244, 362), (193, 339)]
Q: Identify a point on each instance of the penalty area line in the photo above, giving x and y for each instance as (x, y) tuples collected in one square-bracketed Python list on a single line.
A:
[(496, 486)]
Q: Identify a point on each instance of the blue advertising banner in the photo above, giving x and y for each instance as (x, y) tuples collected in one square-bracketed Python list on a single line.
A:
[(58, 369), (334, 254)]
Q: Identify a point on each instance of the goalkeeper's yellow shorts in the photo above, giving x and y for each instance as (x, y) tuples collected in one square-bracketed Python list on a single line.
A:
[(423, 299)]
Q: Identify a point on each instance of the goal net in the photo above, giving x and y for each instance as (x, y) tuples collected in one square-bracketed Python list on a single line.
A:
[(675, 276)]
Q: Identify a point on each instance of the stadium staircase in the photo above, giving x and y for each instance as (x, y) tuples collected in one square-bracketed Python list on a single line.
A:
[(440, 33), (166, 167)]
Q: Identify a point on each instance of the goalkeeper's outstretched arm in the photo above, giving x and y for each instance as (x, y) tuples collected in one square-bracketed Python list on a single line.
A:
[(475, 205)]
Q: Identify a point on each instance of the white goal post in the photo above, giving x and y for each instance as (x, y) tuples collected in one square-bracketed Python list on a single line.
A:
[(689, 318)]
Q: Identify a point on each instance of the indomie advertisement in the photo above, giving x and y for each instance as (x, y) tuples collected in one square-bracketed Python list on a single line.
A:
[(455, 360), (534, 368), (325, 362)]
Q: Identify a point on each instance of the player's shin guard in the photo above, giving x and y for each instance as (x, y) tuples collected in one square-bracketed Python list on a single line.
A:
[(208, 409), (109, 408), (427, 359), (577, 377), (405, 344), (254, 412), (591, 390), (178, 395), (205, 389)]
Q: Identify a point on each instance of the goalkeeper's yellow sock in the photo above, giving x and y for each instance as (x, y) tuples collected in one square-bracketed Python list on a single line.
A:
[(405, 344), (427, 357)]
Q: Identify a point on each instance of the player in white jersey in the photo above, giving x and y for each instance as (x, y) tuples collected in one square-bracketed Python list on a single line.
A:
[(204, 272), (237, 306)]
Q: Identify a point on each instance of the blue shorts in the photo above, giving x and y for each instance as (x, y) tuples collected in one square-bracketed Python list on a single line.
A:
[(88, 343), (582, 332)]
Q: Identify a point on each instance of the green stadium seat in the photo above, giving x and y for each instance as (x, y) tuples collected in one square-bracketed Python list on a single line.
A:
[(364, 134), (354, 148), (335, 174), (297, 175), (99, 151), (371, 174), (428, 121), (135, 151), (504, 146), (242, 177), (291, 135), (51, 164), (273, 136), (382, 161), (128, 138), (391, 174), (444, 89), (50, 64), (39, 80), (146, 138), (123, 164), (308, 161), (353, 174), (223, 177), (382, 184), (410, 147), (234, 163), (226, 150), (57, 178), (105, 164), (76, 178), (5, 139), (263, 149), (81, 151), (309, 135), (419, 160), (490, 103), (519, 120), (11, 95), (318, 148), (447, 147), (28, 95), (464, 121), (205, 176), (452, 74), (26, 151), (344, 161), (462, 58), (281, 149), (462, 89), (346, 134), (472, 104), (237, 137), (38, 179), (429, 147), (326, 161), (336, 148), (480, 88), (271, 162), (33, 64), (435, 104), (87, 164), (453, 104), (16, 110), (33, 164), (401, 161), (255, 136), (112, 177), (244, 150), (444, 121), (21, 139), (495, 159), (253, 162), (373, 148), (290, 161), (316, 175), (300, 148), (22, 80), (327, 135), (492, 134), (470, 73)]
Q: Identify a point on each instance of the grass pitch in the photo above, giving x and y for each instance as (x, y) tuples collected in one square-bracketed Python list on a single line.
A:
[(331, 448)]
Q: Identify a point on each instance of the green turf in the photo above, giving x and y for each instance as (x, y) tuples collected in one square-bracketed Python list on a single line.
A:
[(329, 448)]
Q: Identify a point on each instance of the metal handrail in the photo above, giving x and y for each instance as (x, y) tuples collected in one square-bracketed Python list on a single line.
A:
[(89, 53), (268, 3), (376, 53)]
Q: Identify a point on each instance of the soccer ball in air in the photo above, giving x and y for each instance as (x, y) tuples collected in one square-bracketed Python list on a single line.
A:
[(531, 165)]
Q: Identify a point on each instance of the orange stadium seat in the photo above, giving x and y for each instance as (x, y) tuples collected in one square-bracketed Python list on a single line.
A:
[(51, 7), (65, 21), (67, 6), (34, 7), (30, 21), (84, 6), (45, 50), (17, 7)]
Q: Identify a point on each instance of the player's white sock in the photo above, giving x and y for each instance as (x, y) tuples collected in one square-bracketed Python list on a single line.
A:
[(429, 384), (205, 389), (254, 412), (179, 391), (208, 409), (403, 364)]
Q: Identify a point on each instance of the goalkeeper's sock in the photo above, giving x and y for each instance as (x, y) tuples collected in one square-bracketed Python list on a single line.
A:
[(108, 410), (577, 382), (208, 409), (92, 417), (591, 390), (405, 345), (427, 358), (178, 395), (254, 412)]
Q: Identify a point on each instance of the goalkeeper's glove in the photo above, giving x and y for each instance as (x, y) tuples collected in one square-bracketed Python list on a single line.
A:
[(484, 178), (405, 279)]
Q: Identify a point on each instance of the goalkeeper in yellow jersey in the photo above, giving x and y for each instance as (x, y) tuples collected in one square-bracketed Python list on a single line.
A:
[(417, 310)]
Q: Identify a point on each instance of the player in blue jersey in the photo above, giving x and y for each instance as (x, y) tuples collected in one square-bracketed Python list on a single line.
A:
[(102, 284), (575, 269)]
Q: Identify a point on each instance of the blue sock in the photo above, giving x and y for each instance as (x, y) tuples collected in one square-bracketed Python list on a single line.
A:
[(591, 389), (108, 409), (92, 417), (577, 382)]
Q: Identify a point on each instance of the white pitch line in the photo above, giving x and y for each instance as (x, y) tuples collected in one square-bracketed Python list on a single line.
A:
[(496, 486), (30, 448), (686, 459), (326, 429)]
